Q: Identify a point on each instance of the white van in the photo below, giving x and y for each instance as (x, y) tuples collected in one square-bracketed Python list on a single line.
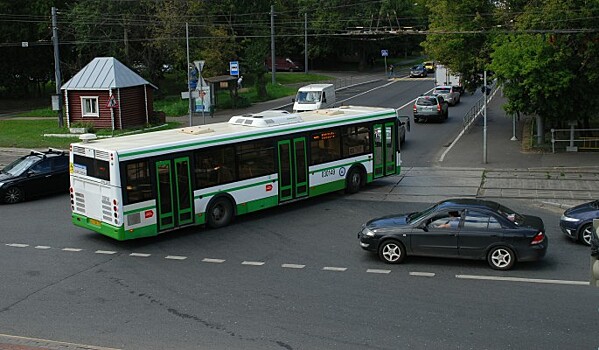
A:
[(314, 96)]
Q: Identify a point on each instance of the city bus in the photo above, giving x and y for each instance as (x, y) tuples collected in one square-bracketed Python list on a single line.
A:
[(146, 184)]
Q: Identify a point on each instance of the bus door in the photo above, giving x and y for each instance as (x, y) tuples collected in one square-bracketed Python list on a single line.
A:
[(384, 149), (293, 169), (175, 195)]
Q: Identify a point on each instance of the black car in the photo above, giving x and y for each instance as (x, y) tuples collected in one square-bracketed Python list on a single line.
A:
[(458, 228), (577, 222), (36, 174), (418, 71)]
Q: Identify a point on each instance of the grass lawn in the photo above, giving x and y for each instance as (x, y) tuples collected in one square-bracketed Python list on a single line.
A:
[(23, 133), (30, 133)]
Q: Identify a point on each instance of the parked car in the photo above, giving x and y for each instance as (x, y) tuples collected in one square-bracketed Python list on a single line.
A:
[(33, 175), (430, 107), (482, 230), (430, 66), (284, 64), (577, 222), (449, 94), (418, 71)]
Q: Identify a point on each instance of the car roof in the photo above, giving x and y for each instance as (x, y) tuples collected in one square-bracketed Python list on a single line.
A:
[(469, 203), (46, 154), (443, 87)]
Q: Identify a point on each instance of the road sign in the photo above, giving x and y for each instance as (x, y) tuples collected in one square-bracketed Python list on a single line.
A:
[(199, 65), (112, 103), (234, 68), (384, 53)]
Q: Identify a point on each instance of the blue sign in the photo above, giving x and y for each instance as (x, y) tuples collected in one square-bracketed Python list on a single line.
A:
[(234, 68), (384, 53)]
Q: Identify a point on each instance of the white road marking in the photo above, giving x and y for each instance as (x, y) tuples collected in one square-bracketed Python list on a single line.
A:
[(293, 266), (338, 269), (253, 263), (42, 247), (175, 257), (72, 249), (214, 261), (520, 279), (107, 252), (378, 271), (422, 274), (17, 245), (140, 255), (57, 344)]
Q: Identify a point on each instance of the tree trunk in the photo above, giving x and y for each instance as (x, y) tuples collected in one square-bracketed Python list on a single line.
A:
[(540, 130), (261, 87)]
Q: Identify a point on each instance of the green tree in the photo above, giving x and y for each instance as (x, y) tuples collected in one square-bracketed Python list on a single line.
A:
[(459, 36), (547, 66)]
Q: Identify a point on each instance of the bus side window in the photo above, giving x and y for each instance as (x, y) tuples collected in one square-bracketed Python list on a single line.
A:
[(138, 186), (214, 166), (256, 159)]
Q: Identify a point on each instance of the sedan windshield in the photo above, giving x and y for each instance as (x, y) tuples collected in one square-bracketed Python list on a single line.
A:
[(441, 91), (19, 166), (417, 216)]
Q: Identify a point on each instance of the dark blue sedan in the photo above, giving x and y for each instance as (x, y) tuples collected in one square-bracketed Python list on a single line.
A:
[(458, 228), (577, 222)]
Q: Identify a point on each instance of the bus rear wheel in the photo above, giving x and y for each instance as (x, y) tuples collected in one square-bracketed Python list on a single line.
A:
[(220, 213), (354, 181)]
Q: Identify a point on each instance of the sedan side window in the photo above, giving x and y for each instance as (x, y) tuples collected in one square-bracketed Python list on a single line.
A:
[(476, 220), (43, 166)]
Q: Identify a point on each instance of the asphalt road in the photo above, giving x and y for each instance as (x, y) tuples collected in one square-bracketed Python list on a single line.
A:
[(292, 277)]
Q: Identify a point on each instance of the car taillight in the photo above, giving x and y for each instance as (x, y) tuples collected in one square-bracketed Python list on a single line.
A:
[(439, 107), (414, 107), (539, 238)]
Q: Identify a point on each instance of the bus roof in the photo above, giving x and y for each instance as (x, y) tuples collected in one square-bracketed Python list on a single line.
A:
[(235, 130)]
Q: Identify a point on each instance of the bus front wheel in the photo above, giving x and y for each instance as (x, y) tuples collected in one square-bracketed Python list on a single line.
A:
[(220, 213)]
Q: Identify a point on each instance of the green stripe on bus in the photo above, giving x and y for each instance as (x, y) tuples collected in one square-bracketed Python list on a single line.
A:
[(253, 136), (229, 190), (132, 211)]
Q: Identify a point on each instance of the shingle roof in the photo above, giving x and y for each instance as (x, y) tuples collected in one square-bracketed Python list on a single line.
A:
[(104, 73)]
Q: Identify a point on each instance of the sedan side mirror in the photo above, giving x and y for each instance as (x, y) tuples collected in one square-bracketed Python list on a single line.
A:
[(424, 227)]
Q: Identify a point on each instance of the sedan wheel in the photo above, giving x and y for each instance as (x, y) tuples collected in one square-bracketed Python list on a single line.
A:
[(585, 234), (392, 252), (501, 258), (13, 195)]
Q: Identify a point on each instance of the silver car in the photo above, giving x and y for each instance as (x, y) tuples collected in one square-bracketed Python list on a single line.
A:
[(449, 93)]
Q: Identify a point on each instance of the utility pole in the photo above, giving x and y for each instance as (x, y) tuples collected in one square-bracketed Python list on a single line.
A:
[(57, 66), (272, 44), (188, 70), (306, 42), (485, 117)]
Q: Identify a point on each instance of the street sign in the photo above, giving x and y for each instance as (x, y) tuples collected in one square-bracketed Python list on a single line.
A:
[(199, 65), (112, 103), (234, 68), (384, 53)]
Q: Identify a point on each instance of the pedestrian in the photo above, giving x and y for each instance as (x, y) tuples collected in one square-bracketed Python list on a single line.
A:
[(239, 82), (391, 71)]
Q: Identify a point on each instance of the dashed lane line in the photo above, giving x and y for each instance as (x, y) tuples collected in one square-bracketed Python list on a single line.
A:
[(175, 257), (378, 271), (328, 268), (140, 255), (422, 274), (337, 269), (106, 252), (293, 266), (521, 279)]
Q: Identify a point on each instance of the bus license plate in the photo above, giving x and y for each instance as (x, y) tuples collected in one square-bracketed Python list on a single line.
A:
[(94, 222)]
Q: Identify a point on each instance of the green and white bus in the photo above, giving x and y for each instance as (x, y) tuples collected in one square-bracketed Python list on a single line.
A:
[(146, 184)]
